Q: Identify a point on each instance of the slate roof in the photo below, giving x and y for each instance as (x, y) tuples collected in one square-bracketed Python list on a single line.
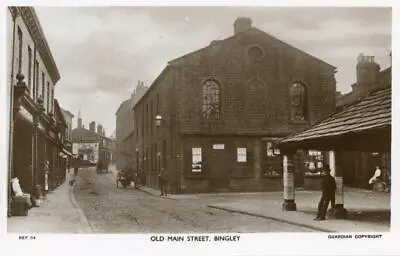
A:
[(371, 112)]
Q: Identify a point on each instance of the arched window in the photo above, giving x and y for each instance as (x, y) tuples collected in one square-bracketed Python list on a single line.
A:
[(298, 102), (211, 100)]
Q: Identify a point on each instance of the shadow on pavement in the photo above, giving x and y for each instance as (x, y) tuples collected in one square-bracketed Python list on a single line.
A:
[(371, 216)]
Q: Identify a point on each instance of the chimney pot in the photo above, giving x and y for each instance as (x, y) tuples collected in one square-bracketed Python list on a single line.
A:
[(92, 126)]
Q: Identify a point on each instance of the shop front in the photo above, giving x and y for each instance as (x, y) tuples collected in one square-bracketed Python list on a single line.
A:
[(212, 164)]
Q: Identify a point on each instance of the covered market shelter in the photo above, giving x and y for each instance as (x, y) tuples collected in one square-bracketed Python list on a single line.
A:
[(364, 125)]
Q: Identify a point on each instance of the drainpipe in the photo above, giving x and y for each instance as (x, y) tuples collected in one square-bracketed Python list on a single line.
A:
[(174, 134), (35, 127)]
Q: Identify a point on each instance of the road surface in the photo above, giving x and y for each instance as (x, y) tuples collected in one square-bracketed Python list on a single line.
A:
[(116, 210)]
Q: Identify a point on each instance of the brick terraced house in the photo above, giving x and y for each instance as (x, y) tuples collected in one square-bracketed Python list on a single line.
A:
[(213, 117)]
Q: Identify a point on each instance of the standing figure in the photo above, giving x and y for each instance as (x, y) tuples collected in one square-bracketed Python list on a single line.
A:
[(377, 176), (46, 175), (162, 178), (328, 187)]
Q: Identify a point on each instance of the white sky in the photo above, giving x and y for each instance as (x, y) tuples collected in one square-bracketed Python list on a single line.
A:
[(101, 52)]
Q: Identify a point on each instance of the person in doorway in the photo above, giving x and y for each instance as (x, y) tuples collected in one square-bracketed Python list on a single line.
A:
[(162, 179), (328, 187)]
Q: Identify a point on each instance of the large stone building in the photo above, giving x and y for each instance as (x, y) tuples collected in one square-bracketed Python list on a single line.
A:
[(212, 117), (360, 166), (125, 128), (35, 126)]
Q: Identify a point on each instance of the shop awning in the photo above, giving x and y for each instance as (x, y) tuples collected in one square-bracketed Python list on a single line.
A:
[(362, 126)]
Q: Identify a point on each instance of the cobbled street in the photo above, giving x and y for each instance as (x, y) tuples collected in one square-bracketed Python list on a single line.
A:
[(109, 209)]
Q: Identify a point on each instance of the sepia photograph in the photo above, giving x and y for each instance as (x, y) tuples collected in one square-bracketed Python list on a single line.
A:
[(221, 120)]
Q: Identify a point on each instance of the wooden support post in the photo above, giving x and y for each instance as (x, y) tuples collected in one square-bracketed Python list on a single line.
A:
[(289, 203), (339, 211)]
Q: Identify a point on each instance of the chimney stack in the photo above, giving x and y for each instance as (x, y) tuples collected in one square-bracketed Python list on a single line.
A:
[(242, 24), (79, 119), (99, 129), (92, 126), (367, 73)]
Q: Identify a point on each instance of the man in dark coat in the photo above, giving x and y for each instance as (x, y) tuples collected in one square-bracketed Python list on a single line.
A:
[(328, 187), (162, 178)]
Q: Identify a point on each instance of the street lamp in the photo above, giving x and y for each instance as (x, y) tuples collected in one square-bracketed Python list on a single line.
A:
[(159, 120)]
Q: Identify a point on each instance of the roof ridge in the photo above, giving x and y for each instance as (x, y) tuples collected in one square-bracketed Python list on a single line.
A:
[(204, 48), (294, 47), (241, 34)]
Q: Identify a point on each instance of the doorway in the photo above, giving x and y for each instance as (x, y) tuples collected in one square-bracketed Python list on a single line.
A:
[(219, 168)]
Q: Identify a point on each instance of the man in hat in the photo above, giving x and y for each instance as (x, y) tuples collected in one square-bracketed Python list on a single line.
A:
[(328, 187)]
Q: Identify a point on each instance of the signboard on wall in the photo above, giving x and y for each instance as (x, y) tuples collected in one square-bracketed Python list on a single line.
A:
[(218, 146)]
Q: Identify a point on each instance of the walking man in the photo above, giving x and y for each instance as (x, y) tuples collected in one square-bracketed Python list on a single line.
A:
[(328, 187), (162, 179)]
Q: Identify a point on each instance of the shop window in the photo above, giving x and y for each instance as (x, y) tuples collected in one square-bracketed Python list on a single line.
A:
[(298, 102), (313, 163), (196, 160), (272, 161), (211, 100), (241, 155)]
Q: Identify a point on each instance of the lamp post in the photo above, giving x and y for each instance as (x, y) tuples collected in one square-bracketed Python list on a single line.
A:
[(159, 123), (159, 120)]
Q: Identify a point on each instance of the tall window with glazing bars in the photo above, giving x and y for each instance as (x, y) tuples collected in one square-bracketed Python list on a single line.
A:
[(211, 100)]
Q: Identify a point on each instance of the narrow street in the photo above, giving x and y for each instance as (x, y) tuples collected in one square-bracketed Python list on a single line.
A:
[(115, 210)]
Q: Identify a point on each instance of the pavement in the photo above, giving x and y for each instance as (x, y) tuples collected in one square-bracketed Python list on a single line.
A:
[(368, 211), (58, 213)]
